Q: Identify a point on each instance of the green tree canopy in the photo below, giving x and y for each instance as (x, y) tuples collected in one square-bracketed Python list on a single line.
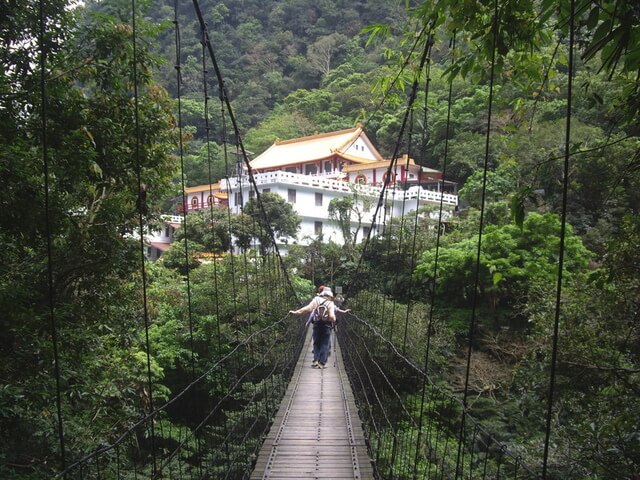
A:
[(276, 216), (95, 150), (511, 261), (207, 227)]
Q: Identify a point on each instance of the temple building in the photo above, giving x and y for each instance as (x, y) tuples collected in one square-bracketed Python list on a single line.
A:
[(311, 171)]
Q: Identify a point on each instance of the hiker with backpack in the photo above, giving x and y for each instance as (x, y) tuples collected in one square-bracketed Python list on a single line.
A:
[(323, 318)]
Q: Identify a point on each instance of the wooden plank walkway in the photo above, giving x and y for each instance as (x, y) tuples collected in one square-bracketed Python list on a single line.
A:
[(316, 433)]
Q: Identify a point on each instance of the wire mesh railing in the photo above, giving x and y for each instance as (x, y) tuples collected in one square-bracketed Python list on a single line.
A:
[(412, 423), (214, 426)]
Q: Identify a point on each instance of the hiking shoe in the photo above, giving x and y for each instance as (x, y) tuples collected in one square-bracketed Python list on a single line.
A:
[(314, 364), (320, 365)]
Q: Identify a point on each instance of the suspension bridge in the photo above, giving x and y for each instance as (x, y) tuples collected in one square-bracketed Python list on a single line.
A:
[(260, 411)]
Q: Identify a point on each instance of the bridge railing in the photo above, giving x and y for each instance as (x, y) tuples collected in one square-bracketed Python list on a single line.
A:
[(214, 426), (416, 428)]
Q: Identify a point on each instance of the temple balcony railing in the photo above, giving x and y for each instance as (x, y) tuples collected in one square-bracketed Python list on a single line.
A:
[(336, 185)]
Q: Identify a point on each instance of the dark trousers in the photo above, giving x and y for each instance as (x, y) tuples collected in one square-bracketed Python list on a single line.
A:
[(321, 342)]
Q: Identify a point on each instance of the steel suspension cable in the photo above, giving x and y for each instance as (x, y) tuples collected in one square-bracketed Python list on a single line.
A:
[(401, 247), (419, 180), (386, 233), (381, 381), (563, 229), (402, 220), (205, 88), (394, 157), (232, 257), (227, 176), (389, 383), (141, 221), (476, 280), (387, 93), (445, 163), (178, 48), (183, 181), (375, 391), (228, 395), (225, 99), (424, 136), (245, 261), (47, 227), (247, 301), (437, 248)]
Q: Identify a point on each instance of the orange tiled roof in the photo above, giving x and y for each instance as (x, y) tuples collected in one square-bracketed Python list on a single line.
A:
[(163, 247), (385, 164), (356, 159), (367, 166), (314, 147), (214, 187)]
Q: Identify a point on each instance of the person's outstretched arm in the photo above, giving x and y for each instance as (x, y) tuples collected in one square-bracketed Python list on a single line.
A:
[(305, 309)]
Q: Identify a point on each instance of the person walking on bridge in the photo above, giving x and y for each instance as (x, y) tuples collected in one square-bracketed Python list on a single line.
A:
[(323, 319)]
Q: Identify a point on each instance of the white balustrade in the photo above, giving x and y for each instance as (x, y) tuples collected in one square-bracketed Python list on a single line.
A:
[(323, 181), (171, 218)]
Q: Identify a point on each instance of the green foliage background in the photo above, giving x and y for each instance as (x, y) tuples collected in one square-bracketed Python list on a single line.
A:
[(293, 68)]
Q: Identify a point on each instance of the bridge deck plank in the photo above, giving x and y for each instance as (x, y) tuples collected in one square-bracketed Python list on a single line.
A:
[(310, 437)]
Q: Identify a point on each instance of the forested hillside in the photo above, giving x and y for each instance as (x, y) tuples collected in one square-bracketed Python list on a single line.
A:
[(291, 68), (91, 155)]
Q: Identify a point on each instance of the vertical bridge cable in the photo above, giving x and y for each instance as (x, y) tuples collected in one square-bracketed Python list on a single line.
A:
[(223, 119), (387, 228), (459, 466), (406, 183), (377, 109), (216, 280), (390, 172), (185, 223), (394, 157), (225, 99), (48, 232), (445, 162), (382, 101), (229, 425), (207, 129), (563, 226), (432, 300), (225, 148), (141, 224), (402, 233), (183, 182)]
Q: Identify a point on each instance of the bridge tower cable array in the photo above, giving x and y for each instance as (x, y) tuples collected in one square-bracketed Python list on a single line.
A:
[(238, 138), (392, 164), (183, 181), (185, 224)]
